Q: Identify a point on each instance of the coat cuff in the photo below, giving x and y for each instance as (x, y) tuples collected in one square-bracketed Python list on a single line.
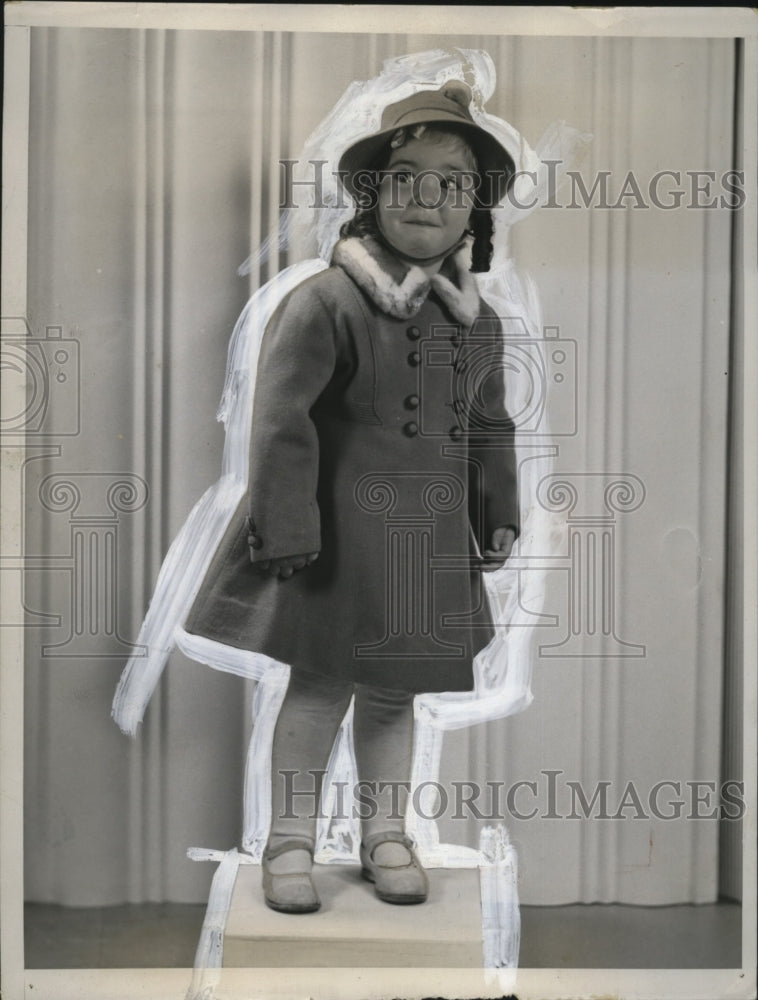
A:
[(280, 544)]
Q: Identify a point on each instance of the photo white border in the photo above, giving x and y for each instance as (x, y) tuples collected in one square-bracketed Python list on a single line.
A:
[(655, 984)]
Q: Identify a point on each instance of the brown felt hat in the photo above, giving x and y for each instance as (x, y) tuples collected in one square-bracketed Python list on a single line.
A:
[(449, 105)]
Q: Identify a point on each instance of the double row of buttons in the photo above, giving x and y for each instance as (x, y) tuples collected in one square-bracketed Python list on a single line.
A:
[(410, 429)]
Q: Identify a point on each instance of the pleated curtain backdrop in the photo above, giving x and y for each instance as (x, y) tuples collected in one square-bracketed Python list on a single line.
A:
[(153, 174)]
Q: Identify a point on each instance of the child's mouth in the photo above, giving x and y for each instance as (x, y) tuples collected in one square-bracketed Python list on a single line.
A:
[(422, 222)]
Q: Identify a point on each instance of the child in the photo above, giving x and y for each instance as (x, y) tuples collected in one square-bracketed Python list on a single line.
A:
[(381, 462)]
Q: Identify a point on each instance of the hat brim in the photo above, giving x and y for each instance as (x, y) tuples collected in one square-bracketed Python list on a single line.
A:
[(496, 167)]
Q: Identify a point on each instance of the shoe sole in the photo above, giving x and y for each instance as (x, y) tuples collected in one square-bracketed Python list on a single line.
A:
[(292, 907), (404, 899)]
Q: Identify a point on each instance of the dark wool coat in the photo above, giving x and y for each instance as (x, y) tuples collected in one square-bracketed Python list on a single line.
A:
[(379, 440)]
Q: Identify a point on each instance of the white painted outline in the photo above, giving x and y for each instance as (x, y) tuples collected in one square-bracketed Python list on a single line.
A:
[(146, 983)]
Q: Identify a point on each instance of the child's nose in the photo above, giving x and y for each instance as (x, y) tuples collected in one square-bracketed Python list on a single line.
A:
[(429, 192)]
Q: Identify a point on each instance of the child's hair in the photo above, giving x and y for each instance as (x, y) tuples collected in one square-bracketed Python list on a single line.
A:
[(364, 222)]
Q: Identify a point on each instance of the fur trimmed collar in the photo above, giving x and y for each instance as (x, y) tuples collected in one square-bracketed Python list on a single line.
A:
[(399, 289)]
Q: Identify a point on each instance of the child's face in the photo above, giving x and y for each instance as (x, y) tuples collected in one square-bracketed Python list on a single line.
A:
[(426, 197)]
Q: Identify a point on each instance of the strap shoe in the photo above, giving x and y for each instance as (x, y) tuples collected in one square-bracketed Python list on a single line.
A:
[(289, 891), (401, 884)]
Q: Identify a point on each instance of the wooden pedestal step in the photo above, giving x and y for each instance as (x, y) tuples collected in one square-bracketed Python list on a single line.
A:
[(353, 928)]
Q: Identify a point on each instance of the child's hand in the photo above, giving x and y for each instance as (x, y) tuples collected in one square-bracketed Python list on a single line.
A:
[(285, 566), (502, 544)]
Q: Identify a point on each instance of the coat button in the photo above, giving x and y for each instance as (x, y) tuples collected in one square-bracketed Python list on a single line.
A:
[(413, 332), (255, 541), (411, 402), (414, 358), (456, 433), (410, 429)]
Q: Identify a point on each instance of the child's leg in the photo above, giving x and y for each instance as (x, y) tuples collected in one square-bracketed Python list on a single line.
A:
[(308, 722), (383, 726), (384, 754)]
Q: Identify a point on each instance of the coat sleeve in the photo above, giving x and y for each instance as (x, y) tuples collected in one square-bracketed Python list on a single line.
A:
[(493, 486), (297, 361)]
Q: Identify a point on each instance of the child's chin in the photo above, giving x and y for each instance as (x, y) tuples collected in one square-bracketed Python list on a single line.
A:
[(421, 249)]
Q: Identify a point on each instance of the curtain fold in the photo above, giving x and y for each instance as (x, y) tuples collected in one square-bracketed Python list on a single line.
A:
[(154, 175)]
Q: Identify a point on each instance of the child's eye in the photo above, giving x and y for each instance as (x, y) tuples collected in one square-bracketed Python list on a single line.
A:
[(399, 176), (459, 182)]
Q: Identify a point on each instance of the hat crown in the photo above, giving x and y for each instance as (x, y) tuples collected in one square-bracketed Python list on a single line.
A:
[(459, 92), (449, 103)]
